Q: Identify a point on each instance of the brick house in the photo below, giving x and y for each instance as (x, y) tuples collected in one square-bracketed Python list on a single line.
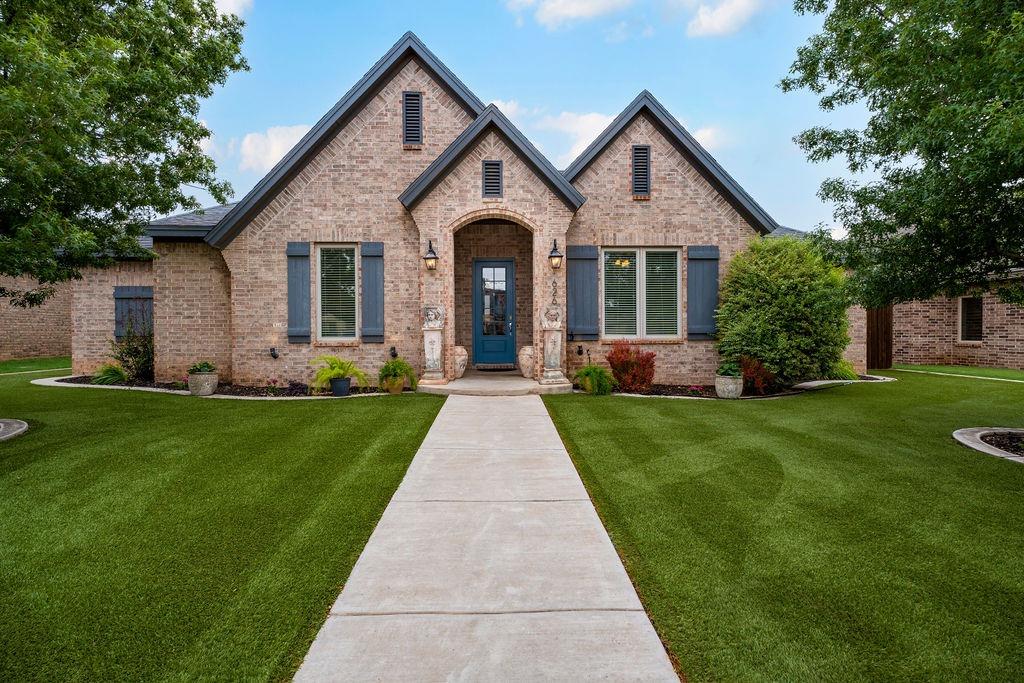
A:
[(969, 330), (39, 331), (413, 217)]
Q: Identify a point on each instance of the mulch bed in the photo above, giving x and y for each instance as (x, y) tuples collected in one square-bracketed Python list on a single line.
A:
[(293, 388), (1007, 441)]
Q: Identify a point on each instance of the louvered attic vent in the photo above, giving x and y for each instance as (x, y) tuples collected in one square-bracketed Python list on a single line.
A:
[(412, 118), (492, 180), (641, 171)]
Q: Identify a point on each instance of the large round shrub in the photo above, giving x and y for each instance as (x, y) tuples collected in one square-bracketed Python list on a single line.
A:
[(784, 305)]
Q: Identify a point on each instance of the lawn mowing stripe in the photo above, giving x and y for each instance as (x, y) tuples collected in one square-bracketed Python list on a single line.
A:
[(953, 374)]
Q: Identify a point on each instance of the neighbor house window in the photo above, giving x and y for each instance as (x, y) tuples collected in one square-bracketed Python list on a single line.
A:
[(641, 293), (641, 171), (970, 319), (338, 293), (412, 118)]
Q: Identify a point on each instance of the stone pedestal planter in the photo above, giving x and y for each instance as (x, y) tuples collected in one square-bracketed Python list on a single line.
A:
[(728, 387), (461, 358), (433, 345), (526, 361), (202, 383)]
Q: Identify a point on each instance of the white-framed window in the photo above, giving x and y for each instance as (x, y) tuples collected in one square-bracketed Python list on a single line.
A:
[(970, 319), (337, 291), (640, 293)]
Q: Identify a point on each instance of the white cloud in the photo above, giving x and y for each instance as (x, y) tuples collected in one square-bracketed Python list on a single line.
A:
[(582, 129), (260, 151), (553, 14), (624, 30), (722, 18), (239, 7), (711, 137), (518, 113)]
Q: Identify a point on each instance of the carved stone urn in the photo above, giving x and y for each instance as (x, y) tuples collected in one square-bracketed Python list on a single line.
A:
[(526, 361), (461, 357)]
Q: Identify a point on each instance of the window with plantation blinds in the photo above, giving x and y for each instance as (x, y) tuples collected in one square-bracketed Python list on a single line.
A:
[(971, 320), (641, 293), (337, 292)]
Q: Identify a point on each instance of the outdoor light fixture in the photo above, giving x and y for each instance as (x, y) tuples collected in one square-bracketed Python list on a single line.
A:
[(430, 258), (555, 257), (273, 352)]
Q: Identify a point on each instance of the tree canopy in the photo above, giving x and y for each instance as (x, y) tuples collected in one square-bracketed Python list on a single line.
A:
[(100, 128), (943, 83)]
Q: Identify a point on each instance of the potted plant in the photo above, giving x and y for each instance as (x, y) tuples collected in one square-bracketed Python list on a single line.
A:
[(338, 374), (202, 378), (393, 374), (729, 380)]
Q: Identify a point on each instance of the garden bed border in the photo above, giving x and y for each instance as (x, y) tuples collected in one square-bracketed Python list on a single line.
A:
[(971, 437), (54, 382)]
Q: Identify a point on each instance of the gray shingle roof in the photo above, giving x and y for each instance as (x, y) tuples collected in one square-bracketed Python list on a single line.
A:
[(783, 231), (191, 224)]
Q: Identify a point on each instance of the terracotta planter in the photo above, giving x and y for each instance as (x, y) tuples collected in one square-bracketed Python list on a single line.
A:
[(526, 361), (394, 385), (202, 383), (728, 387)]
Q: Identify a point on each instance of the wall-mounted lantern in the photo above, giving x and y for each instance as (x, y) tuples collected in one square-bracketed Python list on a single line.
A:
[(555, 257), (430, 258)]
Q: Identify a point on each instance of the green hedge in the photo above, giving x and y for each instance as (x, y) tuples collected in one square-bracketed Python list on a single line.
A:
[(784, 305)]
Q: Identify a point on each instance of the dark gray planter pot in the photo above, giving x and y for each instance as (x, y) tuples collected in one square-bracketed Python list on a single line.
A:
[(340, 386)]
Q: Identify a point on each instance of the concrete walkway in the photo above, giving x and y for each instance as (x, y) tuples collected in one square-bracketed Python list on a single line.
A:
[(490, 563)]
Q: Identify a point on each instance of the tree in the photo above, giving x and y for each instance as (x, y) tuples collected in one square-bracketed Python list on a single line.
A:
[(99, 126), (943, 82), (784, 305)]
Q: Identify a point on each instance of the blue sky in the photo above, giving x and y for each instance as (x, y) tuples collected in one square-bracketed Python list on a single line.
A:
[(561, 69)]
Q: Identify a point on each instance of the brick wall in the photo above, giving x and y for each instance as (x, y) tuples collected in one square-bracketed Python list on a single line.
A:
[(493, 239), (456, 202), (38, 331), (857, 351), (926, 332), (348, 193), (192, 309), (92, 311), (683, 210)]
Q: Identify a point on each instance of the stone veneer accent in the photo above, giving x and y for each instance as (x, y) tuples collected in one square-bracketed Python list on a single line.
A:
[(493, 239), (192, 292), (38, 331), (92, 311), (927, 332)]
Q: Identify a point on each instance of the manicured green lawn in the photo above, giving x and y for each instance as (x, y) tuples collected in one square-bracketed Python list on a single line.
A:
[(999, 373), (839, 535), (26, 364), (147, 536)]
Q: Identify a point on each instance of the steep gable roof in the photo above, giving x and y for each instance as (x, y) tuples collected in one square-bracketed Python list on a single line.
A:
[(688, 146), (492, 118), (320, 134)]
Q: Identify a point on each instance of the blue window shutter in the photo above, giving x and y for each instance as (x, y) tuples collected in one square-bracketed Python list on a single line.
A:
[(581, 292), (133, 304), (372, 266), (701, 291), (298, 292)]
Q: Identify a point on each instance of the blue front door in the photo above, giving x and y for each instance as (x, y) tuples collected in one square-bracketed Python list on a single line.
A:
[(494, 307)]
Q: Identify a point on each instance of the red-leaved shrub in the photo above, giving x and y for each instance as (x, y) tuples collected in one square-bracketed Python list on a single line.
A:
[(632, 367), (756, 377)]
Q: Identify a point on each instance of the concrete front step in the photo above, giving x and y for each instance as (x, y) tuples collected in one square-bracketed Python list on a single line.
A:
[(494, 384)]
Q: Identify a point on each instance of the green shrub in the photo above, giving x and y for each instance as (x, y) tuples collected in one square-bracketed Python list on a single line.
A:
[(134, 353), (784, 305), (109, 373), (202, 366), (842, 370), (595, 380), (332, 367), (394, 369), (729, 368)]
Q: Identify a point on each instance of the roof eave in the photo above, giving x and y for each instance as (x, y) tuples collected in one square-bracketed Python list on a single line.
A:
[(492, 116), (687, 144), (264, 191)]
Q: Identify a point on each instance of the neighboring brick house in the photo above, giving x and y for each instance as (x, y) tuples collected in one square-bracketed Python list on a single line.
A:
[(333, 252), (970, 330), (38, 331)]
